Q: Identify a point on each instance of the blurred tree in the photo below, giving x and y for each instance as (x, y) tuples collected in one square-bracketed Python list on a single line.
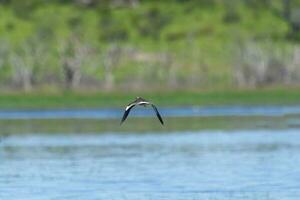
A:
[(287, 9), (231, 12), (147, 25), (26, 61), (291, 13), (111, 60), (4, 1), (151, 22), (24, 9), (258, 4), (73, 55), (111, 29)]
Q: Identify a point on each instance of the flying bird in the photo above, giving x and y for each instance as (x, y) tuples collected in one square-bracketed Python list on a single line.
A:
[(140, 102)]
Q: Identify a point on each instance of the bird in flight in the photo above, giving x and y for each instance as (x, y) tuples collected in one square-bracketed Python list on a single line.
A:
[(140, 102)]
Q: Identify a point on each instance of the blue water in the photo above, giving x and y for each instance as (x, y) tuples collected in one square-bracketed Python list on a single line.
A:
[(112, 113), (212, 165)]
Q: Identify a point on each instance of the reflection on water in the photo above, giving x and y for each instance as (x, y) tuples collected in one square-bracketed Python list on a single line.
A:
[(239, 164)]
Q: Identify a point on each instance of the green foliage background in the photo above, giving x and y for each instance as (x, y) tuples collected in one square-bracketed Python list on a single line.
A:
[(201, 40)]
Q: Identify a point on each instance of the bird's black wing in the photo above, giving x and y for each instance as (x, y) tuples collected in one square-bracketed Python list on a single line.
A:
[(127, 110), (157, 114)]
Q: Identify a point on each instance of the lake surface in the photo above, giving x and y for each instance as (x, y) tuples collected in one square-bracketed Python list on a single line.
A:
[(113, 113), (187, 161)]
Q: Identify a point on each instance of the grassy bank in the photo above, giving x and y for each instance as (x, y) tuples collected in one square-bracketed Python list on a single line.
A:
[(140, 125), (170, 98)]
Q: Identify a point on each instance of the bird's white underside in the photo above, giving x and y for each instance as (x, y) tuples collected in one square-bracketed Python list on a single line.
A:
[(139, 103), (143, 102), (128, 107)]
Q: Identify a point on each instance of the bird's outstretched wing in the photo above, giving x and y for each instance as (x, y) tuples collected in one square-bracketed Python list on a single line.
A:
[(127, 110), (157, 114)]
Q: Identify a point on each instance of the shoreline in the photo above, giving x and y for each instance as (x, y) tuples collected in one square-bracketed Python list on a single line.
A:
[(40, 100)]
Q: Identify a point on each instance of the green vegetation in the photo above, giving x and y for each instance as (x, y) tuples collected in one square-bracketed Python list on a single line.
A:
[(204, 98), (136, 44), (142, 125)]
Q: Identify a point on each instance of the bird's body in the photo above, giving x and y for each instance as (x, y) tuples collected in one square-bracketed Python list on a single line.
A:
[(141, 102)]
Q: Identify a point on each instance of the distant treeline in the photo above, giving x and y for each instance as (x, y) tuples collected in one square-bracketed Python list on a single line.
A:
[(138, 44)]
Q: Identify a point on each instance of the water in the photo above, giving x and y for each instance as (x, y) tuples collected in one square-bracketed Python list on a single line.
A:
[(113, 113), (186, 165), (217, 163)]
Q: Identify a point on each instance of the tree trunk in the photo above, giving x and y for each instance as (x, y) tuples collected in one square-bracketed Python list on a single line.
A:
[(287, 9), (27, 80), (109, 81), (72, 76)]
